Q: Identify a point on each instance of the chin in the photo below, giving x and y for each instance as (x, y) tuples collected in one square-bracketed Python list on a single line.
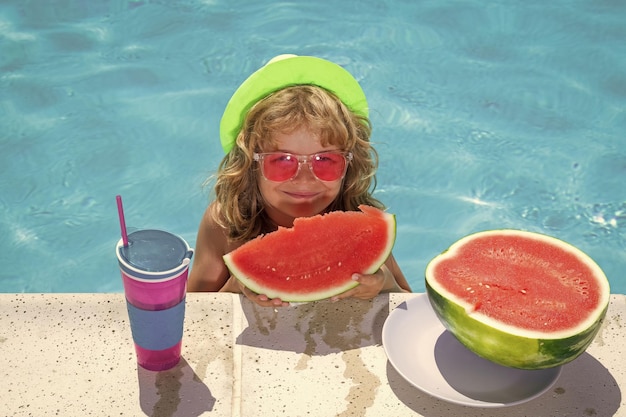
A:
[(307, 210)]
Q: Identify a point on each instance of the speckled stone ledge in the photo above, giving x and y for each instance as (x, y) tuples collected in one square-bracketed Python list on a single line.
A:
[(72, 355)]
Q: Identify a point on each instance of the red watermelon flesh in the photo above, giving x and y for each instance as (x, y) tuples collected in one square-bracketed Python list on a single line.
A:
[(524, 283), (316, 258), (521, 299)]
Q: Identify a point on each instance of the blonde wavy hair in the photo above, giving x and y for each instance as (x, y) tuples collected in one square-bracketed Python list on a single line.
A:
[(239, 205)]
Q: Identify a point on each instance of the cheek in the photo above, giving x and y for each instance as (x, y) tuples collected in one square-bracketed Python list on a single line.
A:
[(266, 188), (336, 187)]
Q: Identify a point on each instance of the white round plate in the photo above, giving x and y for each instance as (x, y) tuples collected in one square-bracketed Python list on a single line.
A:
[(430, 358)]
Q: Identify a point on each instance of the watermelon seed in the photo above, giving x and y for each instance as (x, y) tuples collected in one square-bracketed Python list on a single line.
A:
[(522, 291)]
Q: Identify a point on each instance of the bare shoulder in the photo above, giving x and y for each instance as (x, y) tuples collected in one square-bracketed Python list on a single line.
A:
[(210, 224)]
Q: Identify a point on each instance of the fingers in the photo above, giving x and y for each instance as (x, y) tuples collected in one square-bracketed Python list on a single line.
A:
[(347, 294), (370, 281), (262, 299), (368, 288)]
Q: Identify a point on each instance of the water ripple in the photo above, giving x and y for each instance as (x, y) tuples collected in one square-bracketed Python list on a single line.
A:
[(510, 115)]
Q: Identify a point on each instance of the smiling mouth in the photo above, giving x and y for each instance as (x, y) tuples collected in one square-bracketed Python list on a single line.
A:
[(302, 195)]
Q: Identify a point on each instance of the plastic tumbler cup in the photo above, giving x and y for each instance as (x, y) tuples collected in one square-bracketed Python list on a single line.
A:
[(154, 269)]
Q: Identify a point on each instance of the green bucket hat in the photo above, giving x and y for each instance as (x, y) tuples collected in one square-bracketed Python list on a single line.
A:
[(285, 71)]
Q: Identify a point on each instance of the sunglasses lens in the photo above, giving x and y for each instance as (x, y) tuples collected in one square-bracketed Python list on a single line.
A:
[(279, 167), (328, 166)]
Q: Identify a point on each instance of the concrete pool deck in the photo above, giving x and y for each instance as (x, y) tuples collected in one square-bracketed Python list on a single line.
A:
[(72, 355)]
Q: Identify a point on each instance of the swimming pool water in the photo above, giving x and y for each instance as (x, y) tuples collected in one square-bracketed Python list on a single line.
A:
[(507, 114)]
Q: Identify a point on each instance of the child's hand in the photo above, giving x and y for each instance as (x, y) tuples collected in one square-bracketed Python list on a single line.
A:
[(234, 285), (261, 299), (370, 285)]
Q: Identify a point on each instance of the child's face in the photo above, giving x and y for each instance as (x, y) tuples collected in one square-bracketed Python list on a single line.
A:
[(304, 195)]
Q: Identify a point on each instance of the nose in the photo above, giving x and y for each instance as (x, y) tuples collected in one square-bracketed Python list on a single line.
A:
[(305, 171)]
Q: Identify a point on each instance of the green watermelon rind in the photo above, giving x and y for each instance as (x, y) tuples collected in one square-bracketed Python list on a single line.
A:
[(506, 348), (508, 345), (348, 284)]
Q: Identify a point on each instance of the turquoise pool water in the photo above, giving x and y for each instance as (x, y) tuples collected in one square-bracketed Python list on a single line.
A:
[(510, 114)]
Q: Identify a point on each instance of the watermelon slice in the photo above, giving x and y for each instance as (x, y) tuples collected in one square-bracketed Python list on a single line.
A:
[(519, 299), (315, 259)]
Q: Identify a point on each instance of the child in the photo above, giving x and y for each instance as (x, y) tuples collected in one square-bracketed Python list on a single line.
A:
[(296, 137)]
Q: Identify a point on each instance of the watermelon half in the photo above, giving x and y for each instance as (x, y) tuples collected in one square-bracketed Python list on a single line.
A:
[(519, 299), (316, 258)]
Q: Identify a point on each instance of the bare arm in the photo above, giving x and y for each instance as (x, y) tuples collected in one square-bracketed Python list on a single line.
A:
[(209, 272), (400, 279)]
